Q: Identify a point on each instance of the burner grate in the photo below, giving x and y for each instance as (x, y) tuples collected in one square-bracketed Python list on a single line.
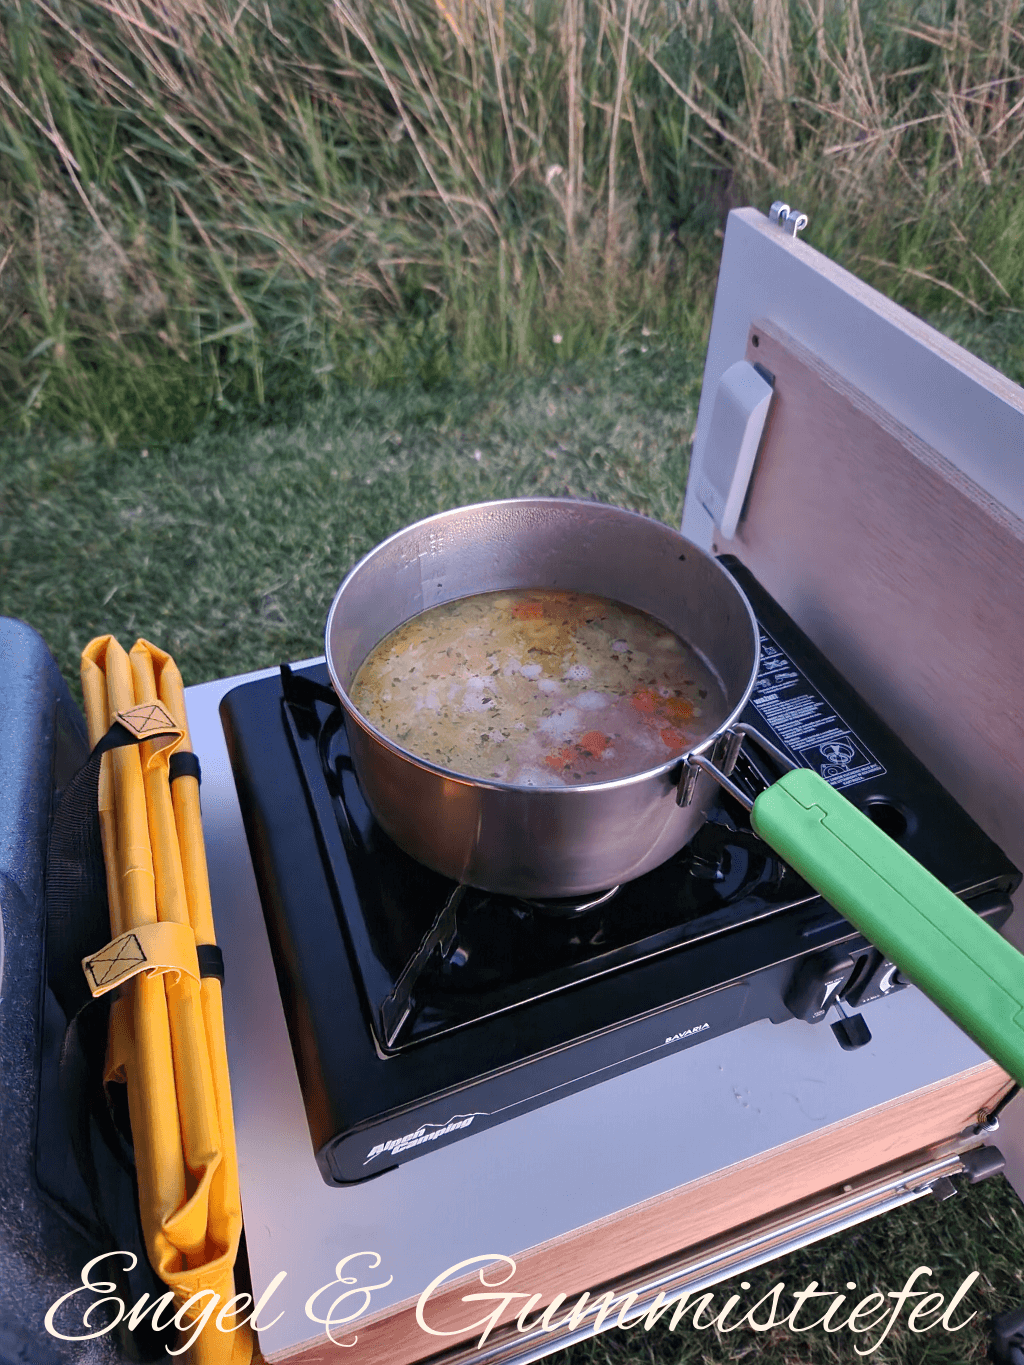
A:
[(435, 957)]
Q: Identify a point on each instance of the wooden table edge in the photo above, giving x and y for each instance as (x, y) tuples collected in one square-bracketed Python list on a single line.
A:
[(925, 1125)]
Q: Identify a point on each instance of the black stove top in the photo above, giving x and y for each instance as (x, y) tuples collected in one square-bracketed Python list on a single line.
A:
[(421, 1011)]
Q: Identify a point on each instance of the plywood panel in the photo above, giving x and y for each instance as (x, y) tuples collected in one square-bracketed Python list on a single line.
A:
[(904, 572)]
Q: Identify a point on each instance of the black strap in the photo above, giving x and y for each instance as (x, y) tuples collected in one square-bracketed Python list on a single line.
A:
[(77, 916), (211, 960), (184, 764), (78, 924), (119, 737)]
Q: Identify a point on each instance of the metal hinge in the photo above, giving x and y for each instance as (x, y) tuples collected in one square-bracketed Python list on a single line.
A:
[(790, 220)]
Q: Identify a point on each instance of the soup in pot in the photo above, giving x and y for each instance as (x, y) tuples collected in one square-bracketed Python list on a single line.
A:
[(539, 687)]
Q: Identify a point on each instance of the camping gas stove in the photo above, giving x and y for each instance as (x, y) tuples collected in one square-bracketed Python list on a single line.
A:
[(421, 1011)]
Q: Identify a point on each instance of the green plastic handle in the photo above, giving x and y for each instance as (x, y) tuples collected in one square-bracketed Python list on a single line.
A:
[(959, 961)]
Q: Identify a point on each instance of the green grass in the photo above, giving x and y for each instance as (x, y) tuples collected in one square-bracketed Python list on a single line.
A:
[(226, 550), (212, 211)]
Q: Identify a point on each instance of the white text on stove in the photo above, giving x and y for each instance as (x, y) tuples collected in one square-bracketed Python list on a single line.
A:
[(427, 1132), (686, 1033)]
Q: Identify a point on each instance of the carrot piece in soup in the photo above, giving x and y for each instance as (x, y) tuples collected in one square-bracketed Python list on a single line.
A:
[(562, 758), (673, 738), (678, 708), (593, 743), (528, 611), (645, 700)]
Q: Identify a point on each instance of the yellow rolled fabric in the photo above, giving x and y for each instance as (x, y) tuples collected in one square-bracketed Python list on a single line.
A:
[(167, 1031)]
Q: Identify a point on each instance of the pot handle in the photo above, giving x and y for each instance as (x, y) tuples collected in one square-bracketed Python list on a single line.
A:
[(961, 963)]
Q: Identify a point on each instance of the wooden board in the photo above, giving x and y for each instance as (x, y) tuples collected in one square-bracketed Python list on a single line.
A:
[(906, 574), (610, 1250)]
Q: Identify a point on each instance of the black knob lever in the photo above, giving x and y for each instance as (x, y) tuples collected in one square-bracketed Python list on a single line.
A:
[(850, 1029)]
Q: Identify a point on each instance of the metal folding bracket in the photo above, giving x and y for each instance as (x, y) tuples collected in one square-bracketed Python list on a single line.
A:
[(719, 759)]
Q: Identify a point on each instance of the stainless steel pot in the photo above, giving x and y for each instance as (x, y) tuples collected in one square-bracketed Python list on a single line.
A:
[(538, 841)]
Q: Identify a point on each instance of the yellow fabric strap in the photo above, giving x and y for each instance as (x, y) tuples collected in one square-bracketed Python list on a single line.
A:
[(155, 949)]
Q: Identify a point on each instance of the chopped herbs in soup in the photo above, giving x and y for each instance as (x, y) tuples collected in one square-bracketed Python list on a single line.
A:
[(538, 687)]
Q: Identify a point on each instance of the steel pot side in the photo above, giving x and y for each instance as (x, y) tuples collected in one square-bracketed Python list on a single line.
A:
[(537, 841)]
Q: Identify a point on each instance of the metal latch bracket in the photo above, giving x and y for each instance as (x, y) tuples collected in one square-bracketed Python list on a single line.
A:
[(790, 220)]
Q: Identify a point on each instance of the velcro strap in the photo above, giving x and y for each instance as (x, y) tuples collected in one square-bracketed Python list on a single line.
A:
[(211, 960), (184, 764), (151, 948)]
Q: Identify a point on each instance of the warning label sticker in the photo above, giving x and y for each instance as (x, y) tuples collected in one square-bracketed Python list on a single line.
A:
[(798, 715)]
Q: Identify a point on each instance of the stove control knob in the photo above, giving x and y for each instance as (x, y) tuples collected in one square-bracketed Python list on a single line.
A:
[(818, 983), (878, 978)]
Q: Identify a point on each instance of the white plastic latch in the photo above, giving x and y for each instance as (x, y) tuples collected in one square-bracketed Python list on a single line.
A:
[(742, 400)]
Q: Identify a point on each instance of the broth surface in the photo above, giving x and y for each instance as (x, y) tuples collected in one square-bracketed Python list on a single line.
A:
[(538, 687)]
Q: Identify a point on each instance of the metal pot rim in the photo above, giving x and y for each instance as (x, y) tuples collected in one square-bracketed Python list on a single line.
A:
[(449, 774)]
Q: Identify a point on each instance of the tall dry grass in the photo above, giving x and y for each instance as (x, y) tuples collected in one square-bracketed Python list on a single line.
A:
[(221, 203)]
